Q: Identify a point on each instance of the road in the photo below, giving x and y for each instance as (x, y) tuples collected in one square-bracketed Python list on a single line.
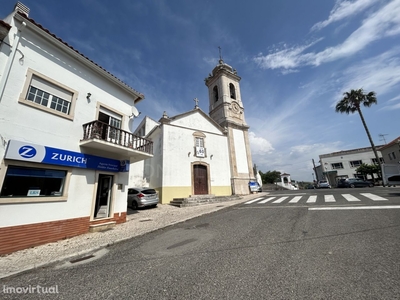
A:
[(283, 250), (376, 196)]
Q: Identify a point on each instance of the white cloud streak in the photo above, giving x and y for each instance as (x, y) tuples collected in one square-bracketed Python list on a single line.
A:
[(342, 10), (381, 24)]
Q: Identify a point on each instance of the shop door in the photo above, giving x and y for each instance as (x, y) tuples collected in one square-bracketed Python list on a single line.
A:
[(200, 180), (103, 196)]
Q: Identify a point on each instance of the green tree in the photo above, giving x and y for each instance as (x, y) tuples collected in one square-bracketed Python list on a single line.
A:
[(351, 103), (270, 176), (366, 169)]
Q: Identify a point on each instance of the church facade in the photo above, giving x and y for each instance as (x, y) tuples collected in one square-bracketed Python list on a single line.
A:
[(196, 153)]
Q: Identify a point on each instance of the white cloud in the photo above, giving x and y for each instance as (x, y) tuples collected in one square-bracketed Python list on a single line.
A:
[(394, 99), (259, 145), (342, 10), (380, 73), (383, 23), (287, 58)]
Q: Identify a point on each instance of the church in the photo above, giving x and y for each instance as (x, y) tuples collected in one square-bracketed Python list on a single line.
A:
[(196, 153)]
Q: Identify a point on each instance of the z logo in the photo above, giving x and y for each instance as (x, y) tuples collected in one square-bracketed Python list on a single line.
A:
[(27, 151)]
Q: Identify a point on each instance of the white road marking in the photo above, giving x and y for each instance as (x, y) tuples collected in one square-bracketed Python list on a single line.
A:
[(350, 198), (312, 199), (266, 200), (354, 207), (251, 201), (329, 198), (295, 199), (373, 197), (280, 200)]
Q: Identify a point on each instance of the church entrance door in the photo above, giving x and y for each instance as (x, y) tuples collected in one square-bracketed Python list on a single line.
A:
[(200, 180)]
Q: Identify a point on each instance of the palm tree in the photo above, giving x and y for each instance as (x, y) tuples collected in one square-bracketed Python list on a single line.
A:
[(351, 103)]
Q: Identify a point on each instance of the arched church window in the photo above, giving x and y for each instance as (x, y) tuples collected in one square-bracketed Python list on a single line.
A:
[(215, 93), (232, 91)]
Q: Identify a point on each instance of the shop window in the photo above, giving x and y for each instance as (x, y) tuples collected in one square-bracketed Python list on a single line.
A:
[(44, 93), (337, 166), (20, 182)]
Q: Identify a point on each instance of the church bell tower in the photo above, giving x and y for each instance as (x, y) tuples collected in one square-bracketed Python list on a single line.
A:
[(226, 108)]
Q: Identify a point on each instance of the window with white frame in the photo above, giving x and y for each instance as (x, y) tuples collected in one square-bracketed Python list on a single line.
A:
[(44, 93), (337, 166), (355, 163), (199, 144), (200, 147), (375, 162)]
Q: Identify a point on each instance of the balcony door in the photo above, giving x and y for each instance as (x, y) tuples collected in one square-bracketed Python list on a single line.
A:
[(112, 132)]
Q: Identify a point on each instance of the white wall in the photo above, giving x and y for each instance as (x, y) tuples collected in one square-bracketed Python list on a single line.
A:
[(196, 121), (32, 125), (24, 123), (177, 162), (240, 150), (345, 158)]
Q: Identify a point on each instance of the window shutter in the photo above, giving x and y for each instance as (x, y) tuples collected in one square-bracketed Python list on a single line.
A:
[(51, 88)]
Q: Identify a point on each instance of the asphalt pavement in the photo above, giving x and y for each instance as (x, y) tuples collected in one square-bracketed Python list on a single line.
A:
[(138, 223)]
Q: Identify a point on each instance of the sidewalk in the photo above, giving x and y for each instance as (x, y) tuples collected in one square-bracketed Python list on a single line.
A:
[(137, 223)]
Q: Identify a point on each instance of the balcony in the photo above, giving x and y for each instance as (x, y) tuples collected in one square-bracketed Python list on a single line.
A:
[(104, 140)]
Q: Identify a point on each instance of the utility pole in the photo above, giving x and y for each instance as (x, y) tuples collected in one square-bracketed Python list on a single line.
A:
[(315, 170)]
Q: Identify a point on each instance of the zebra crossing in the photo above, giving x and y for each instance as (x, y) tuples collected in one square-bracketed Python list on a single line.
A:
[(310, 199)]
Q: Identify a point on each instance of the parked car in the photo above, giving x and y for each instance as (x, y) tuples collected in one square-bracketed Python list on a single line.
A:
[(323, 184), (309, 187), (142, 197), (354, 182)]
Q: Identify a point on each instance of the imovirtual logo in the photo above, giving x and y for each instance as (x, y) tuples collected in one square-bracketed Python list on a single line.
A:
[(27, 151)]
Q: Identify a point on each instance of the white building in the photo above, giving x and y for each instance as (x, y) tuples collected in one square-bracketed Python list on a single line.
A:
[(391, 151), (66, 143), (196, 153), (343, 164)]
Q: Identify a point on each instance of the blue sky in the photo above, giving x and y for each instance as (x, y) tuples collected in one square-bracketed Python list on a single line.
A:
[(295, 58)]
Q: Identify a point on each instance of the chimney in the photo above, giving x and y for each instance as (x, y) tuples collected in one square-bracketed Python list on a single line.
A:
[(19, 7)]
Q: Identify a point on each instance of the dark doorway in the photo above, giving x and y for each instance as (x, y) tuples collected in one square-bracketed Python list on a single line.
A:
[(103, 196), (200, 180)]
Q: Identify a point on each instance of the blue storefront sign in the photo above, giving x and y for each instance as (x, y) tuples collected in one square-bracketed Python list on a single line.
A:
[(42, 154)]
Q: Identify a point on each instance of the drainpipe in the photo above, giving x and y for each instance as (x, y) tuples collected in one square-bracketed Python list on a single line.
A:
[(11, 57)]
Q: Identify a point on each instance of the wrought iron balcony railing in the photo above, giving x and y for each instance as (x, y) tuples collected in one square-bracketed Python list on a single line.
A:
[(102, 131)]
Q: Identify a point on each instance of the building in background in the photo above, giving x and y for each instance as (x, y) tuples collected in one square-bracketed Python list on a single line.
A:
[(343, 164), (391, 167), (65, 141), (391, 151)]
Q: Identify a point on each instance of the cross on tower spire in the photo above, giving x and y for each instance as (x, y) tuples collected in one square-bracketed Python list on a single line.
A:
[(196, 101), (220, 55)]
